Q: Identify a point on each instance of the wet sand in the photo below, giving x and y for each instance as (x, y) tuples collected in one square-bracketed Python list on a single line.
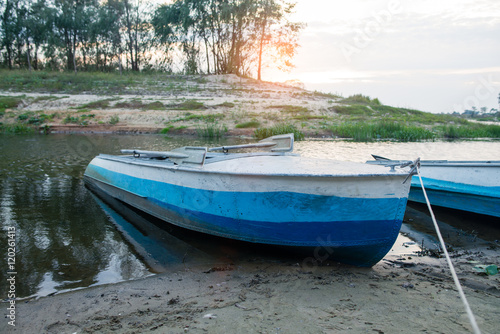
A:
[(404, 293)]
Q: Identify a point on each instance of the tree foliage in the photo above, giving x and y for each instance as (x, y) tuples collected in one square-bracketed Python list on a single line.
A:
[(191, 36)]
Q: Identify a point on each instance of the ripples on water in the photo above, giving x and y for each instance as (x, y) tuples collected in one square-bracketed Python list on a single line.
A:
[(66, 239)]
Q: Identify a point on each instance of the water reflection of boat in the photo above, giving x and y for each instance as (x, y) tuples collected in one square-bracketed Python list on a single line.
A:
[(472, 186), (352, 210), (158, 248)]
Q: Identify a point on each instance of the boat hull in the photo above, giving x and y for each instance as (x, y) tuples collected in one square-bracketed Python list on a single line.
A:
[(354, 219), (472, 187)]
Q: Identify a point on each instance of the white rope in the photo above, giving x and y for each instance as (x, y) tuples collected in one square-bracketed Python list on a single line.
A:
[(452, 269)]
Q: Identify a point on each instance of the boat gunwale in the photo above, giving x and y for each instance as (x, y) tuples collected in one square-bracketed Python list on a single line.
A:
[(443, 163), (194, 168)]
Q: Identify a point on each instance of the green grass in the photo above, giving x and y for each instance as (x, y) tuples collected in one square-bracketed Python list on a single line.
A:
[(33, 118), (367, 132), (138, 104), (114, 120), (249, 124), (133, 104), (360, 99), (100, 104), (309, 117), (157, 105), (365, 112), (95, 82), (355, 110), (469, 131), (16, 128), (10, 102), (226, 105), (291, 109), (167, 129), (196, 117), (279, 129), (188, 105), (212, 130)]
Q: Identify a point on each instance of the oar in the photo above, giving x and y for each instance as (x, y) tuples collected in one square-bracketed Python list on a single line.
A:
[(235, 147), (188, 154), (156, 154), (278, 143)]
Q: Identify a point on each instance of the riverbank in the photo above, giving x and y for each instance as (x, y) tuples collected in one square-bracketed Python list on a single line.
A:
[(213, 106), (226, 103)]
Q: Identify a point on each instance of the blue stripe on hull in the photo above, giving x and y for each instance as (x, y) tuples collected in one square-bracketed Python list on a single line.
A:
[(278, 218), (454, 187), (466, 202), (476, 199)]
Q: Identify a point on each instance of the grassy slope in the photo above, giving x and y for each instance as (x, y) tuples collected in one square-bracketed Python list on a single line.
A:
[(250, 106)]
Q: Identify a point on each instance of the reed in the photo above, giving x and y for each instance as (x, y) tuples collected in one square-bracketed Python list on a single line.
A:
[(367, 132), (470, 131), (360, 99), (249, 124), (16, 128), (212, 130), (8, 102), (279, 129)]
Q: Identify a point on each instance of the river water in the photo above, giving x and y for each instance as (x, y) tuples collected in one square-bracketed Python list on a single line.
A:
[(67, 238)]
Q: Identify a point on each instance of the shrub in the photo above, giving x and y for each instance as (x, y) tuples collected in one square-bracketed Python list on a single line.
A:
[(366, 132), (212, 130), (360, 99), (250, 124), (114, 120)]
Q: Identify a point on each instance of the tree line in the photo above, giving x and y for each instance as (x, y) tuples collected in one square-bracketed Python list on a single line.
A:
[(188, 36)]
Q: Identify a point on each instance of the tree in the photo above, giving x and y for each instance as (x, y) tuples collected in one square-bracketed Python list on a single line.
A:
[(274, 34), (211, 36), (228, 35), (105, 36), (73, 20), (9, 30), (39, 27), (137, 28)]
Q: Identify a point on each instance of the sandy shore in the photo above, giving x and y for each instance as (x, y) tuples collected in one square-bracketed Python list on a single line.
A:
[(226, 100), (401, 294)]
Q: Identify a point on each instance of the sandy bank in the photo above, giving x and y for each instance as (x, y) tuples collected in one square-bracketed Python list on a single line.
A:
[(227, 102), (400, 294)]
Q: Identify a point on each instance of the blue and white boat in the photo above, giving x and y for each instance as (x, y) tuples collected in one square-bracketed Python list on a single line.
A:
[(351, 211), (472, 186)]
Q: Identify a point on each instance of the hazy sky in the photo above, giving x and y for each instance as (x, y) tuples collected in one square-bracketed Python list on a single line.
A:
[(437, 56)]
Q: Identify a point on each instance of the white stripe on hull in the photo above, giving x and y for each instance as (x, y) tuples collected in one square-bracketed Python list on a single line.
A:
[(377, 184)]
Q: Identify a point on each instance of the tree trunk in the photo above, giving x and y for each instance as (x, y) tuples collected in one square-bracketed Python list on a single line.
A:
[(120, 62), (130, 42), (35, 60), (9, 56), (28, 55), (261, 46), (207, 53), (74, 52)]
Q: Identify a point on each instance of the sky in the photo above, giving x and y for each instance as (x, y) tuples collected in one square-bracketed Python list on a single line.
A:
[(438, 56)]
